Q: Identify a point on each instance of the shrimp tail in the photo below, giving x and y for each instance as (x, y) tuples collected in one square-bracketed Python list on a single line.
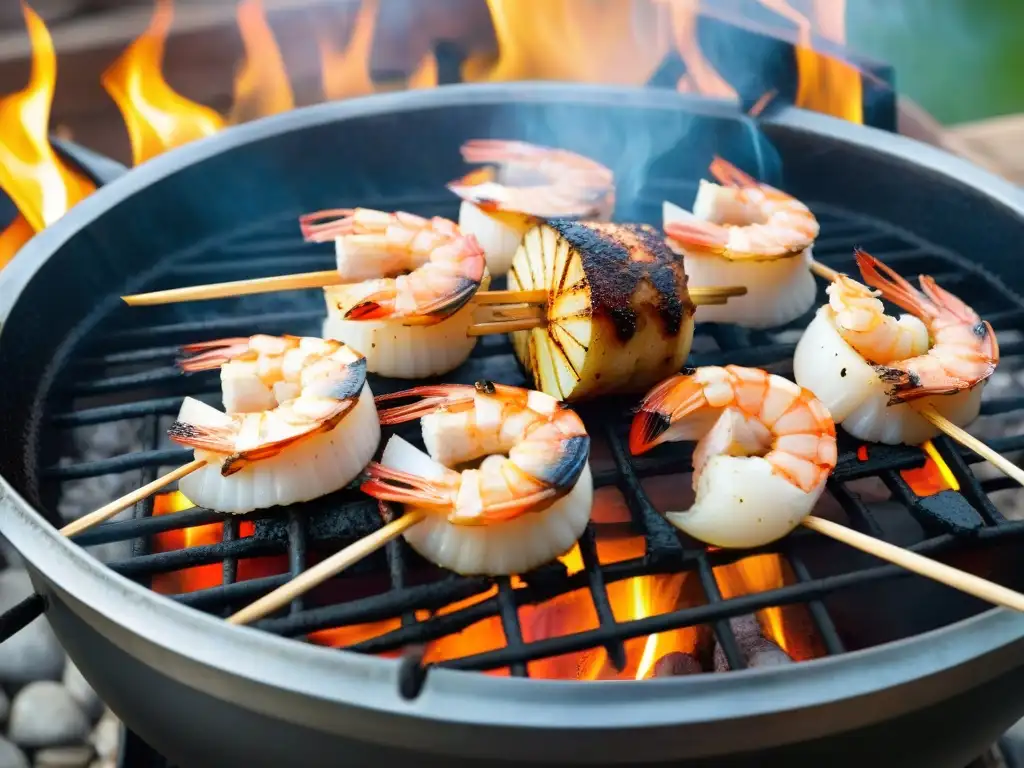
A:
[(699, 234), (906, 385), (322, 226), (659, 409), (940, 297), (893, 286), (212, 354), (219, 439), (386, 484), (434, 396), (379, 306), (729, 175)]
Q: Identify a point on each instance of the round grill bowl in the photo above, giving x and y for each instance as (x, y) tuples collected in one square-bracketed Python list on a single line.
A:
[(208, 694)]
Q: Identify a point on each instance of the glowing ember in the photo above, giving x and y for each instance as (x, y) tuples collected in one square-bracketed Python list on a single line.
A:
[(203, 576), (788, 627), (158, 118), (261, 86), (935, 476), (34, 177), (346, 73)]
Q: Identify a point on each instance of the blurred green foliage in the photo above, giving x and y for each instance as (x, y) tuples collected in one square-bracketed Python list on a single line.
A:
[(959, 59)]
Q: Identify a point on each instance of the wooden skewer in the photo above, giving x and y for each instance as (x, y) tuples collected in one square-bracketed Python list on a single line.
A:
[(919, 564), (822, 271), (108, 511), (325, 570), (968, 440), (236, 288)]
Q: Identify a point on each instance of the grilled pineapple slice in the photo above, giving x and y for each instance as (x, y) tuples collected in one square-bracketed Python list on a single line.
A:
[(619, 317)]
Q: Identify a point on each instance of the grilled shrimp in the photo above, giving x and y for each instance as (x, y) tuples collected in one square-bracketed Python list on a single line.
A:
[(411, 279), (301, 422), (528, 501), (743, 232), (866, 367), (530, 183), (765, 448)]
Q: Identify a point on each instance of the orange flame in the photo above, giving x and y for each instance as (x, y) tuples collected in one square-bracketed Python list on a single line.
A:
[(261, 85), (41, 185), (935, 476), (566, 40), (700, 76), (16, 235), (203, 576), (788, 627), (158, 118), (826, 84), (346, 73), (426, 74)]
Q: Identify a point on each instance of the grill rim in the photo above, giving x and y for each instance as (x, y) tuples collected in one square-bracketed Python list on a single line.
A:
[(76, 579)]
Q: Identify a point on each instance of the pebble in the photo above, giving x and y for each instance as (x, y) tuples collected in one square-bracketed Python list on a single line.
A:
[(43, 714), (82, 692), (11, 756), (106, 736), (63, 757), (34, 653)]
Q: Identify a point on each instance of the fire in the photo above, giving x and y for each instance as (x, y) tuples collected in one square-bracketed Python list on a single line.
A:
[(41, 185), (933, 477), (567, 40), (826, 84), (261, 85), (788, 627), (203, 576), (346, 73), (158, 118), (16, 235), (426, 75), (700, 76)]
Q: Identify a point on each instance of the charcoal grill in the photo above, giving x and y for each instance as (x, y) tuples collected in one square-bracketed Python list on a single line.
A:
[(914, 674)]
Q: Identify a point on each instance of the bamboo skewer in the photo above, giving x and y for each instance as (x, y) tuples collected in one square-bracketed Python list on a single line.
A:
[(947, 427), (911, 561), (919, 564), (108, 511), (325, 569)]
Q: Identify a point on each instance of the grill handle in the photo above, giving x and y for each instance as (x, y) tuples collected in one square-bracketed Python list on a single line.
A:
[(21, 615)]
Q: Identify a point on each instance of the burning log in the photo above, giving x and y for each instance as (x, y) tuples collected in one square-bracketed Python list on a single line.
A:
[(756, 649), (676, 664)]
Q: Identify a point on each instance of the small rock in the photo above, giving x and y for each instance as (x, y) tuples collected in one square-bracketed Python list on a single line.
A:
[(63, 757), (44, 715), (677, 664), (34, 653), (11, 756), (106, 736), (5, 706), (82, 692)]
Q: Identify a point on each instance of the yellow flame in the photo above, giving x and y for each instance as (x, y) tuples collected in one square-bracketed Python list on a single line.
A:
[(261, 85), (346, 73), (16, 235), (826, 84), (40, 184), (158, 118), (569, 40), (426, 74), (749, 576)]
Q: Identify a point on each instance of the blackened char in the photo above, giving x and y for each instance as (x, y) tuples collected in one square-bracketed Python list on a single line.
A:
[(616, 259)]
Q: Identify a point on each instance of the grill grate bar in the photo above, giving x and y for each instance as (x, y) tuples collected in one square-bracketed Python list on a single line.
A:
[(296, 554), (509, 614), (823, 623)]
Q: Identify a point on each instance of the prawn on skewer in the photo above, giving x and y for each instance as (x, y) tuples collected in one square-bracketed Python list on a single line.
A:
[(743, 232), (765, 448), (527, 502), (408, 283), (868, 367), (523, 185), (301, 422)]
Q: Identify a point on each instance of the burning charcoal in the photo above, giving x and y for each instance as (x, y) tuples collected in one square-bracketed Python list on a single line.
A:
[(676, 664), (757, 650)]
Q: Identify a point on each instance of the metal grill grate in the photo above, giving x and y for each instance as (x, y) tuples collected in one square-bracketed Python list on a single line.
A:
[(124, 371)]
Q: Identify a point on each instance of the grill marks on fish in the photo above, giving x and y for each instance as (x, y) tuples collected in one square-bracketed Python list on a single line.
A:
[(617, 259)]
